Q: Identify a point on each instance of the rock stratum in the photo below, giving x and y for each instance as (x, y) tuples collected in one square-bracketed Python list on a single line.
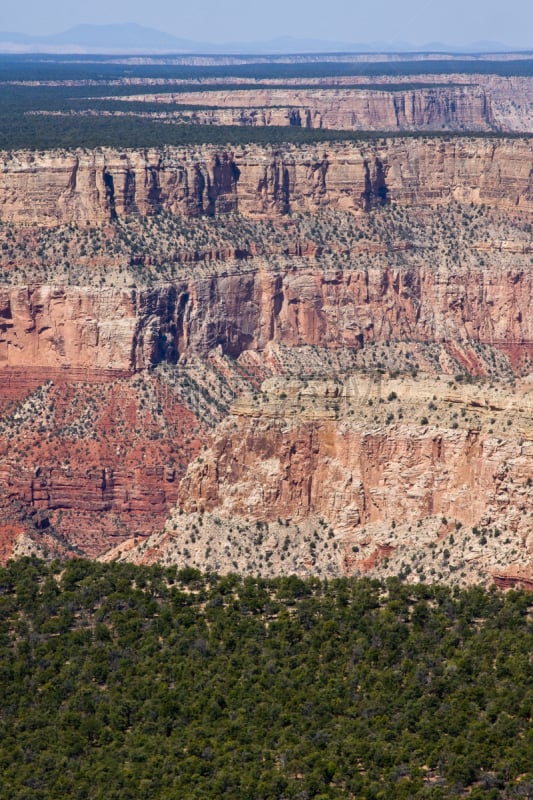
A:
[(120, 331), (383, 467), (428, 102), (309, 359), (452, 108), (94, 187)]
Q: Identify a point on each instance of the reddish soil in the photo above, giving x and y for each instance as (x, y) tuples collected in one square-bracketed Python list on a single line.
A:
[(100, 461)]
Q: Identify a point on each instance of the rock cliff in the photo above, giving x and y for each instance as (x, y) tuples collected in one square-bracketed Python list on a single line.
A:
[(84, 328), (291, 463), (436, 102), (79, 187), (452, 108), (408, 254), (395, 488), (81, 329)]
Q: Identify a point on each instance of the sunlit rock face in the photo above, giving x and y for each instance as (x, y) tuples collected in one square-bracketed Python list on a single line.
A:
[(84, 186), (113, 443)]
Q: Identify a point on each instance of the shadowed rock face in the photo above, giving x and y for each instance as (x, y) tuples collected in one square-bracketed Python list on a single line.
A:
[(50, 188)]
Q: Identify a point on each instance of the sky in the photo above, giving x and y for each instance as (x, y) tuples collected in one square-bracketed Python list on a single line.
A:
[(414, 21)]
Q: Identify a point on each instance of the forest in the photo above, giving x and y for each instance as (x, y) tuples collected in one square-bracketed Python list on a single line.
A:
[(122, 681)]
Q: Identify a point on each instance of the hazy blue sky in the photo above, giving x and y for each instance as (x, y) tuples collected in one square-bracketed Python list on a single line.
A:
[(416, 21)]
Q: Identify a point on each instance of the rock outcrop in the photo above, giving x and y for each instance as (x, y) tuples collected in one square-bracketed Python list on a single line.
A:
[(84, 328), (304, 455), (99, 452), (95, 186), (451, 108), (454, 102), (79, 328), (390, 487), (423, 478), (79, 187)]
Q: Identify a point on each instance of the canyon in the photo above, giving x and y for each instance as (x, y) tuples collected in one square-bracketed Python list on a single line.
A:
[(318, 352), (420, 102)]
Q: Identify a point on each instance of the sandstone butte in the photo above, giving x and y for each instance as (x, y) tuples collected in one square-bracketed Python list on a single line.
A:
[(211, 418)]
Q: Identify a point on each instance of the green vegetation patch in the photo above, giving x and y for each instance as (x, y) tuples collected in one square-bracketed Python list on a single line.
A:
[(35, 132), (122, 682)]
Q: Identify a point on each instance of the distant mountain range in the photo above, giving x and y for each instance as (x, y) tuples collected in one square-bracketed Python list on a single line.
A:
[(131, 38), (99, 39)]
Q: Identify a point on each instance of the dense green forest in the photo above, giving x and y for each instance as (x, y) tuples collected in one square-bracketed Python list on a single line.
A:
[(122, 682), (51, 132)]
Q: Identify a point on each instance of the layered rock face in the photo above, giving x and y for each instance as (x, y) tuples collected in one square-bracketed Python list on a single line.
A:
[(395, 488), (101, 450), (128, 330), (84, 328), (433, 109), (439, 102), (53, 188), (350, 309), (511, 102), (265, 468), (96, 456)]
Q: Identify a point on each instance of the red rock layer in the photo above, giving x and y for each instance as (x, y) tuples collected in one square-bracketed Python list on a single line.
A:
[(354, 475), (98, 461), (513, 582)]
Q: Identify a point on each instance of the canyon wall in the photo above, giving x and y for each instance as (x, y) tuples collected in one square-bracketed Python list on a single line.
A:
[(81, 327), (396, 102), (131, 329), (354, 474), (140, 493), (98, 186), (351, 477), (452, 108)]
